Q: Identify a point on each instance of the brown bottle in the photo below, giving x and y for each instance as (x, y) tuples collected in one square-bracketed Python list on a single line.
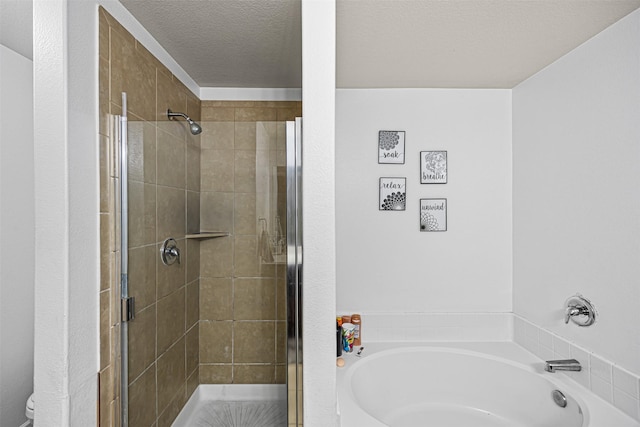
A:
[(357, 338)]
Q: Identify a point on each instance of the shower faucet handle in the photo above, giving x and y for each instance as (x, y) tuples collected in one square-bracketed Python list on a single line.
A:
[(169, 252), (580, 311), (575, 310)]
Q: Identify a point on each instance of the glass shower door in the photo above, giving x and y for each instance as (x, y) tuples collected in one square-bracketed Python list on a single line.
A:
[(160, 347), (159, 202)]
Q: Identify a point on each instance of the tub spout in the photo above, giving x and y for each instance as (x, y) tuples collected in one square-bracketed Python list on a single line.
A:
[(562, 365)]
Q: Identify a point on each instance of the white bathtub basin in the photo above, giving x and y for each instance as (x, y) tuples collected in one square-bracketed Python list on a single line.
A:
[(462, 385)]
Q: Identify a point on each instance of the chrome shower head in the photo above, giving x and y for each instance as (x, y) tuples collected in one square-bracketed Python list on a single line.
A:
[(194, 127)]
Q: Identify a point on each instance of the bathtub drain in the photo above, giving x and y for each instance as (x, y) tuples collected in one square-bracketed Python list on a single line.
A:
[(559, 398)]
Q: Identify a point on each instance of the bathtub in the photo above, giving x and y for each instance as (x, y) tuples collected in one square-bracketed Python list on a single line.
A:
[(462, 385)]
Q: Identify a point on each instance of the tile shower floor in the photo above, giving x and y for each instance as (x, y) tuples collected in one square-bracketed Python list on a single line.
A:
[(235, 406)]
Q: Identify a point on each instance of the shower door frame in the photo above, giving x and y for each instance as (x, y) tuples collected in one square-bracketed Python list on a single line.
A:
[(294, 271), (126, 303)]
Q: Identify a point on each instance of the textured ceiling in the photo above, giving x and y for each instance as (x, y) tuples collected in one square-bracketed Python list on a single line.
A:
[(462, 43), (228, 43), (380, 43)]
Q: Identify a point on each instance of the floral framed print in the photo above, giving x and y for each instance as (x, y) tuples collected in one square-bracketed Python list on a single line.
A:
[(391, 147), (433, 167), (393, 194), (433, 214)]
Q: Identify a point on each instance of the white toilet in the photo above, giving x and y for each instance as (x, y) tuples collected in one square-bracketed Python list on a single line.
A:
[(29, 409)]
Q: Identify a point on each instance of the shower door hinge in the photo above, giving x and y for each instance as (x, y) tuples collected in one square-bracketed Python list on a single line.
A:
[(127, 309)]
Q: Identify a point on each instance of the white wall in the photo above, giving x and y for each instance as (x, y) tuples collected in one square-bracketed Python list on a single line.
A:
[(318, 207), (385, 264), (16, 235), (576, 203), (66, 219)]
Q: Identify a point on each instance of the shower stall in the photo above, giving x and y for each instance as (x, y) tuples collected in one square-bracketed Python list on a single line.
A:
[(200, 290), (200, 280), (210, 277)]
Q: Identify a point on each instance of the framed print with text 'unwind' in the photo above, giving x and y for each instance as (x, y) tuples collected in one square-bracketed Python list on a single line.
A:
[(391, 147), (433, 214), (433, 167), (393, 194)]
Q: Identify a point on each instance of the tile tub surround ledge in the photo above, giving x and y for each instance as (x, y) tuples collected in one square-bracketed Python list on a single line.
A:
[(610, 382)]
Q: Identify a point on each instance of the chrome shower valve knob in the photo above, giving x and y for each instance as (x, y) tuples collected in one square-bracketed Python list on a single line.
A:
[(580, 311), (169, 252), (575, 311)]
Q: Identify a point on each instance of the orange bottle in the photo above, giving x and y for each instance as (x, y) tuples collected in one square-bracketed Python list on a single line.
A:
[(356, 320)]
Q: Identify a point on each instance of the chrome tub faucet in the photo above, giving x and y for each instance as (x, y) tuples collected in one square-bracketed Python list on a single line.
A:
[(562, 365)]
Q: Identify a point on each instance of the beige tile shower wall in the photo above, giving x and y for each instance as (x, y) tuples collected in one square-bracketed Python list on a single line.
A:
[(242, 298), (164, 201)]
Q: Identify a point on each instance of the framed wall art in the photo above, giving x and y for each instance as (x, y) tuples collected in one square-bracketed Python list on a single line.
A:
[(433, 167), (393, 194), (433, 214), (391, 147)]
